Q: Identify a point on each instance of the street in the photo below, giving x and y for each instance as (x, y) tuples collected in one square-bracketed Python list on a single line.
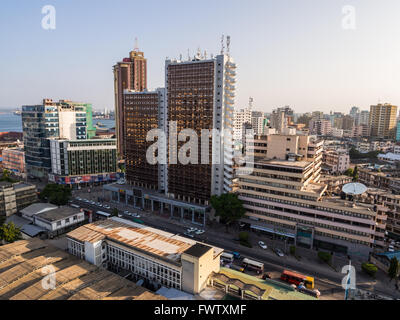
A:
[(327, 280)]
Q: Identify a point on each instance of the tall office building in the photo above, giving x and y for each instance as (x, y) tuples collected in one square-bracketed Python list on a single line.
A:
[(129, 74), (241, 117), (144, 111), (382, 120), (200, 95), (64, 119)]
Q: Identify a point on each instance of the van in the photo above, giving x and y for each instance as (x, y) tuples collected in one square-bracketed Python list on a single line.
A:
[(237, 268)]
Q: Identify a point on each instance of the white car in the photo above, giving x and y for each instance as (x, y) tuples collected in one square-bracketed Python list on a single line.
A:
[(107, 207), (191, 230), (262, 245), (279, 252), (199, 232)]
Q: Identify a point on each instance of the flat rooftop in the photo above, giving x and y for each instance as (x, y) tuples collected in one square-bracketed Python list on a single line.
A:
[(286, 163), (58, 213), (165, 245), (22, 262)]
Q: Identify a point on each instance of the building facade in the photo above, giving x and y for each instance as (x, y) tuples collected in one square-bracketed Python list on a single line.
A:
[(16, 196), (129, 74), (63, 119), (336, 161), (82, 161), (382, 120), (14, 160)]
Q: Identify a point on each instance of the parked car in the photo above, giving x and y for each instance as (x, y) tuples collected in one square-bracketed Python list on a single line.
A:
[(237, 268), (279, 252), (236, 255), (262, 245), (107, 206), (199, 232), (188, 234), (191, 229)]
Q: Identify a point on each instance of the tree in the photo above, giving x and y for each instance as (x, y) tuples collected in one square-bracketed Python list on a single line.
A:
[(325, 256), (369, 269), (292, 250), (349, 172), (56, 194), (2, 220), (6, 176), (115, 212), (228, 207), (393, 268), (9, 232), (355, 174)]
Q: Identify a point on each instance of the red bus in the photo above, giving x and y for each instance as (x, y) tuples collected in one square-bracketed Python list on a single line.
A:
[(297, 278)]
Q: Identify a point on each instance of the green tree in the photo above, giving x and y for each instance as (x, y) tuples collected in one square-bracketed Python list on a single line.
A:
[(6, 176), (228, 207), (2, 220), (10, 233), (292, 250), (369, 269), (393, 268), (349, 172), (355, 174), (115, 212), (56, 194)]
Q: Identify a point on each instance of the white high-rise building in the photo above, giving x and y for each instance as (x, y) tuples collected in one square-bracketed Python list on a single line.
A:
[(241, 117)]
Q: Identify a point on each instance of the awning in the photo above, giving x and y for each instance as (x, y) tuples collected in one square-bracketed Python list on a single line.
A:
[(289, 235)]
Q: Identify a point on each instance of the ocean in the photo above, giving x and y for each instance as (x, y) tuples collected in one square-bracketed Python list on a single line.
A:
[(11, 122)]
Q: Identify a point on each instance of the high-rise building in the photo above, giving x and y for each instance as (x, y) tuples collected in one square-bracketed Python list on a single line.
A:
[(64, 119), (241, 117), (320, 127), (382, 120), (200, 95), (144, 111), (129, 74)]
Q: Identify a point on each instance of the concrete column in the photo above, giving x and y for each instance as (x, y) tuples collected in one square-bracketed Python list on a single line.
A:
[(182, 212), (161, 208), (152, 205), (126, 198), (119, 198), (143, 202), (204, 218), (171, 210), (192, 215)]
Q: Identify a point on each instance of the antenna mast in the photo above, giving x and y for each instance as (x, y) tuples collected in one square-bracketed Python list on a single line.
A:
[(222, 44), (136, 45), (228, 44)]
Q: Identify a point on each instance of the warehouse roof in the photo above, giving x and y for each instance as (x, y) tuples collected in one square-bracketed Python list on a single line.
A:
[(22, 268), (37, 208), (58, 213), (140, 237)]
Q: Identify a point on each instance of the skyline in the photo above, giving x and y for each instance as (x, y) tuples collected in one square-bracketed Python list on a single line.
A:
[(299, 55)]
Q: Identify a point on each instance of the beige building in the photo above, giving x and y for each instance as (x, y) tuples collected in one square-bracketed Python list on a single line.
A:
[(284, 197), (382, 120), (16, 196), (142, 252)]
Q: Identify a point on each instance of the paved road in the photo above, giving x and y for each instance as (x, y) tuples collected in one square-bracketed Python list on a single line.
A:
[(327, 280)]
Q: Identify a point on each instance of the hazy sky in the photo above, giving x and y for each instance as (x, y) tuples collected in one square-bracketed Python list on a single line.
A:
[(289, 52)]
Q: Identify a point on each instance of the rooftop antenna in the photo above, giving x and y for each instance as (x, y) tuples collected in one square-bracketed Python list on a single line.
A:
[(198, 55), (136, 45), (228, 44), (188, 55), (222, 44), (251, 102), (205, 54), (180, 57)]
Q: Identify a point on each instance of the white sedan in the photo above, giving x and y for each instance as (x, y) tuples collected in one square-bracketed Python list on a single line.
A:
[(262, 245), (199, 232)]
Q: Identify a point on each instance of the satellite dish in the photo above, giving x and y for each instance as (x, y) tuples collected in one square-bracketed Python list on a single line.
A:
[(354, 188)]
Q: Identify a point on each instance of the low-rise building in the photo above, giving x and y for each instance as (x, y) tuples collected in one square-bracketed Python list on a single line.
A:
[(374, 179), (36, 208), (162, 258), (335, 183), (14, 160), (57, 221), (16, 196)]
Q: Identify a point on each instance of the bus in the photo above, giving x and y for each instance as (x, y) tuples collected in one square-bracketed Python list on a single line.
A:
[(74, 206), (103, 214), (137, 220), (228, 257), (253, 265), (297, 278)]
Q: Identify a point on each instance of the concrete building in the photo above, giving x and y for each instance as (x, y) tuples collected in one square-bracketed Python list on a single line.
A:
[(16, 196), (146, 253), (211, 106), (86, 162), (59, 220), (284, 197), (336, 161), (35, 209), (64, 119), (14, 161), (129, 74), (320, 127), (240, 118), (382, 120)]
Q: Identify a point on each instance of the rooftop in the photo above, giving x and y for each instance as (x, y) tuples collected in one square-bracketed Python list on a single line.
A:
[(287, 163), (22, 262), (58, 213), (37, 208), (161, 244), (198, 250)]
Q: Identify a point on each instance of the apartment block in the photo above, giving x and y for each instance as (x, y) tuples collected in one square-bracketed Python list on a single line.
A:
[(16, 196), (382, 120), (336, 161), (14, 160)]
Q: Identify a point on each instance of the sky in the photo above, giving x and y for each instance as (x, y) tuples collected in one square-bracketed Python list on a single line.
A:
[(299, 53)]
